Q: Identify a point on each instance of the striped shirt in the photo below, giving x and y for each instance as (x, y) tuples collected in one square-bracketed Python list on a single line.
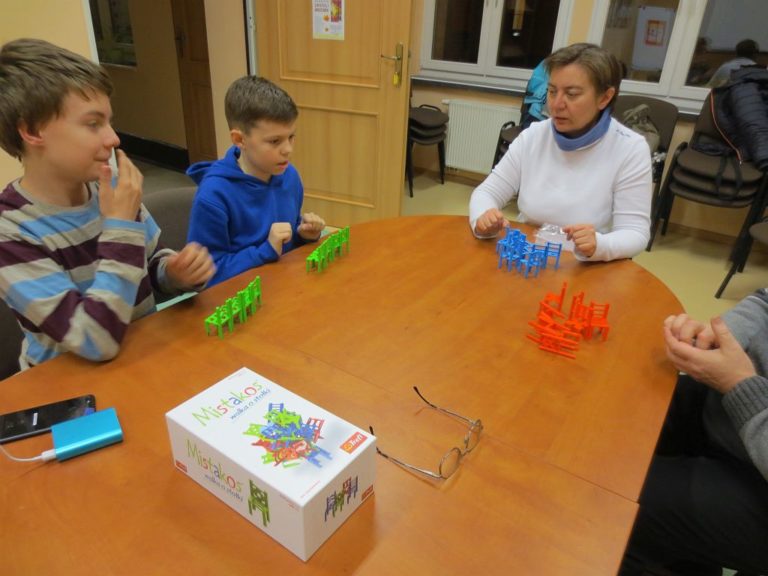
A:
[(73, 279)]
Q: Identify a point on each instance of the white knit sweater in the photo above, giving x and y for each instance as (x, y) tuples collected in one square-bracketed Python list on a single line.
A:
[(606, 184)]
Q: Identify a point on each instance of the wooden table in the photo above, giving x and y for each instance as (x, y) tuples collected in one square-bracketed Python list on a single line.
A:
[(550, 489)]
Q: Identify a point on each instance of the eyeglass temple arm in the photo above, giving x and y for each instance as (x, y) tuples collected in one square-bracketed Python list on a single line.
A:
[(454, 414), (405, 464)]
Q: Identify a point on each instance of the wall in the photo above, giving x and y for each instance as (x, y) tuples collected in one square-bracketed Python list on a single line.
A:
[(61, 22), (147, 99), (227, 57)]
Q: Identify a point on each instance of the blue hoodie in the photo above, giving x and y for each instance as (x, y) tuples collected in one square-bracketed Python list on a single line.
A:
[(233, 213)]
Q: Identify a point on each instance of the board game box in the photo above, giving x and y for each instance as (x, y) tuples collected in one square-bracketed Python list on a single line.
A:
[(290, 467)]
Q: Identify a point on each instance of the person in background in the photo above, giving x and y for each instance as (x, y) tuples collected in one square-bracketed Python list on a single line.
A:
[(247, 210), (746, 52), (704, 504), (580, 169), (534, 107)]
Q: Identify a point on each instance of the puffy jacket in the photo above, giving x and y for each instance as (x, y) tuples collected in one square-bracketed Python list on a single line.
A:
[(741, 111)]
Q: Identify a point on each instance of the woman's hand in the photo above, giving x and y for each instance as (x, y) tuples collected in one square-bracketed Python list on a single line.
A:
[(584, 238), (490, 223)]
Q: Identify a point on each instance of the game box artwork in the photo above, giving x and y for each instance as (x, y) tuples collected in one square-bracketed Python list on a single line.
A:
[(291, 468)]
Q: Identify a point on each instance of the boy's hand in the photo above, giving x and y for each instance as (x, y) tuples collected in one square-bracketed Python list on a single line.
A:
[(191, 267), (490, 223), (279, 234), (123, 201), (584, 238), (311, 226)]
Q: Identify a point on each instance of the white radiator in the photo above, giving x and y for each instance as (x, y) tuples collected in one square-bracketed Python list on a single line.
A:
[(473, 131)]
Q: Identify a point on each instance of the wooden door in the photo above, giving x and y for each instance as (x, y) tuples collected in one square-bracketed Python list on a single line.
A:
[(195, 78), (351, 131)]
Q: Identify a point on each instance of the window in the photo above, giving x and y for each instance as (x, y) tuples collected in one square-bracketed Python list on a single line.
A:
[(673, 48), (731, 33), (638, 34), (113, 32), (491, 42)]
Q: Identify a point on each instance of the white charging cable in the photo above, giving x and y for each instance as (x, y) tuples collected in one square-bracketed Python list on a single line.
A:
[(44, 457)]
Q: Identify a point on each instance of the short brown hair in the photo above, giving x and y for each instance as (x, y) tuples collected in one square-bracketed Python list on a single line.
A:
[(252, 98), (603, 68), (35, 78)]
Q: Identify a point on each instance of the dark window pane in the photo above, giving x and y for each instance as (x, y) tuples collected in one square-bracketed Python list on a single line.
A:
[(527, 32), (732, 34), (113, 32), (96, 17), (121, 22), (457, 30)]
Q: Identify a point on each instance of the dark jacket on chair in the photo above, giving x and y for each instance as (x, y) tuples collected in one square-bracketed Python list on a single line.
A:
[(741, 113)]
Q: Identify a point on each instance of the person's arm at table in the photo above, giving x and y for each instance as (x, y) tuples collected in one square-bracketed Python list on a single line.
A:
[(631, 217), (713, 356), (485, 217)]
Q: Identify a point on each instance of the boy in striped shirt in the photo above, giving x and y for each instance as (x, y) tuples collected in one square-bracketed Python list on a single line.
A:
[(79, 257)]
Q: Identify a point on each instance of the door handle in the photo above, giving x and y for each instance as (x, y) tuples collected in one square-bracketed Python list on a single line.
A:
[(397, 78)]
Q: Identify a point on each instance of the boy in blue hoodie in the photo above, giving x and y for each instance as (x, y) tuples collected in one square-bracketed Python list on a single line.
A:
[(247, 210)]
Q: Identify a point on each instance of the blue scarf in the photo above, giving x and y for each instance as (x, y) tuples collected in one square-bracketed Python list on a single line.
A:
[(590, 137)]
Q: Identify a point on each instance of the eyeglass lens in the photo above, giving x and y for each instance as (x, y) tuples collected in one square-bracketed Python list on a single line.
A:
[(450, 462)]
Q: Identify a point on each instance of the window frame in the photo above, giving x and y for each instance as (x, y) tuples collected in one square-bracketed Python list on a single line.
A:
[(485, 73), (682, 43)]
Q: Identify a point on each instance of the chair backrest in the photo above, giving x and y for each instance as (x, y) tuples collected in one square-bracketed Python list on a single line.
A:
[(171, 209), (508, 132), (663, 114), (705, 123), (11, 335)]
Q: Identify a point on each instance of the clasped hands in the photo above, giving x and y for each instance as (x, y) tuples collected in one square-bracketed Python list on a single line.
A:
[(281, 232), (583, 236), (708, 353)]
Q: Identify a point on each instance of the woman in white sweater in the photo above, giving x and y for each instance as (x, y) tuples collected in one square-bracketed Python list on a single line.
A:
[(581, 169)]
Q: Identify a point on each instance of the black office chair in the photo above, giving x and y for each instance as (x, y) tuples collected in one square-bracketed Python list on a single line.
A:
[(532, 109), (663, 114), (11, 334), (711, 179), (427, 125), (509, 131), (171, 209), (757, 232)]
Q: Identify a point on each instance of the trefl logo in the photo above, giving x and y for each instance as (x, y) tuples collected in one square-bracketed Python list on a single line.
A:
[(353, 442)]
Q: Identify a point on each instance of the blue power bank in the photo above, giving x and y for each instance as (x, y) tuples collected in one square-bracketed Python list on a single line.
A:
[(81, 435)]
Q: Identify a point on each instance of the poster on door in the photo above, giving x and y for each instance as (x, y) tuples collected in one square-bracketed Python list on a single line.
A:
[(328, 19)]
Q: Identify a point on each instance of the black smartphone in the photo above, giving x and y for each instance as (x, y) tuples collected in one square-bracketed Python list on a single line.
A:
[(31, 421)]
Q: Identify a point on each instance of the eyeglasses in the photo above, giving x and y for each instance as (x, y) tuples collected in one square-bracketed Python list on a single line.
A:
[(449, 463)]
